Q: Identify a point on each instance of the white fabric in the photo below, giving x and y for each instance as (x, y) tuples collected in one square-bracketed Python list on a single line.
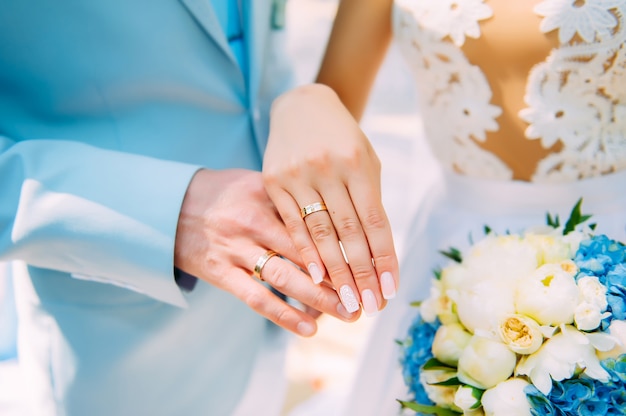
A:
[(457, 209)]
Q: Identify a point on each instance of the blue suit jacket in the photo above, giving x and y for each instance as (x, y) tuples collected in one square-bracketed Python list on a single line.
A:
[(107, 109)]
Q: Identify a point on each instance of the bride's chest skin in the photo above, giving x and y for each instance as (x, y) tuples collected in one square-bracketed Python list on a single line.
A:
[(510, 44)]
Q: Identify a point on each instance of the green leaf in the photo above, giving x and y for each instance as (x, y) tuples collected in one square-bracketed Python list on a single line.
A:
[(487, 229), (553, 222), (575, 218), (453, 254), (434, 363), (416, 304), (428, 410), (454, 381), (437, 272)]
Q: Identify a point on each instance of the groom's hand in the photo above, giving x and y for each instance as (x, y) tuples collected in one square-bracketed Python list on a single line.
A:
[(226, 226)]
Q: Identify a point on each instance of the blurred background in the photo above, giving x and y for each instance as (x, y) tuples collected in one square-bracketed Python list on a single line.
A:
[(320, 368)]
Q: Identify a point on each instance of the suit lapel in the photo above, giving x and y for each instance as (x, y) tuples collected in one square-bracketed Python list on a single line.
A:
[(259, 14), (203, 12)]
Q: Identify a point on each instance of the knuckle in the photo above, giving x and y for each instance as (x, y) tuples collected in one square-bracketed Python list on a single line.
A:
[(338, 272), (292, 223), (361, 273), (374, 220), (321, 231), (283, 317), (280, 278), (349, 227), (318, 300), (384, 259), (255, 300)]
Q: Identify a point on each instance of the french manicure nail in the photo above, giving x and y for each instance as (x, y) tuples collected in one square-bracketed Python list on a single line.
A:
[(388, 285), (348, 299), (305, 329), (316, 273), (370, 306)]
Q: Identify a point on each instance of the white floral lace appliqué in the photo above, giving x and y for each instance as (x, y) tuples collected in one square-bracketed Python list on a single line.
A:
[(576, 98), (576, 95), (453, 93)]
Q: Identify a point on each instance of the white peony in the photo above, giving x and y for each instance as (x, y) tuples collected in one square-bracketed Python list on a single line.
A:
[(559, 358), (502, 257), (449, 342), (551, 248), (507, 398), (492, 269), (485, 362), (549, 295), (482, 305)]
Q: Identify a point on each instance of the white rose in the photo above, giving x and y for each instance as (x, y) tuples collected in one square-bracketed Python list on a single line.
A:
[(449, 342), (467, 398), (558, 359), (592, 291), (440, 395), (485, 362), (617, 330), (588, 316), (521, 333), (507, 399), (549, 295)]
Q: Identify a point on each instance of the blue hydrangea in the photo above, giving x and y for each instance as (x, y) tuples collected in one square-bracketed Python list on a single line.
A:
[(582, 395), (606, 259), (416, 351)]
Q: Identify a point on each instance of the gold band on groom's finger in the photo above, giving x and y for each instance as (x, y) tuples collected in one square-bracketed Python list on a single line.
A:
[(260, 263), (311, 208)]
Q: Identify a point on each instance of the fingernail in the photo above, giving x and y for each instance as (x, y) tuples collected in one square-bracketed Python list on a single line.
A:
[(343, 312), (316, 273), (348, 299), (370, 306), (388, 285), (305, 329)]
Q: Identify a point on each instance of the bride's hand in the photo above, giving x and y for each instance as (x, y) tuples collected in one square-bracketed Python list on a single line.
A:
[(318, 160)]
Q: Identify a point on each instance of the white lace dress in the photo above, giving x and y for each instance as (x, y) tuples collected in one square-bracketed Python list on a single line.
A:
[(574, 104)]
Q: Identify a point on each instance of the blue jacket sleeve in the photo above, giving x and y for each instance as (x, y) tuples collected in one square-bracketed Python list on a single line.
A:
[(97, 214)]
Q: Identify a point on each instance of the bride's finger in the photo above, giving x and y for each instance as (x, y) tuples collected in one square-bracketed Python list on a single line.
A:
[(350, 232), (292, 282), (377, 228), (320, 226), (299, 234)]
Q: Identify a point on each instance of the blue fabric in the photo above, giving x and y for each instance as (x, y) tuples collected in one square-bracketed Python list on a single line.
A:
[(107, 110), (231, 20)]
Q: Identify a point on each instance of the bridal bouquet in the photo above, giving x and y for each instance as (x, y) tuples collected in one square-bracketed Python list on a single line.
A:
[(523, 324)]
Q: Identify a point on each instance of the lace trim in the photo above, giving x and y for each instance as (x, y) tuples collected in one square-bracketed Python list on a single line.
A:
[(577, 97)]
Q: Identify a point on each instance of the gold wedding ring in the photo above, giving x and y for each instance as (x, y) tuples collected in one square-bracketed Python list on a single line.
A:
[(311, 208), (260, 263)]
